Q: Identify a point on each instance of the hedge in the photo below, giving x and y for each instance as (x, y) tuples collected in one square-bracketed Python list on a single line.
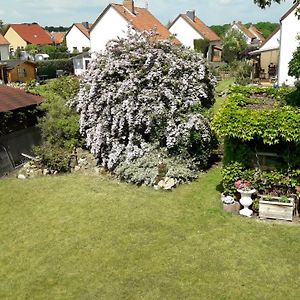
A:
[(49, 67)]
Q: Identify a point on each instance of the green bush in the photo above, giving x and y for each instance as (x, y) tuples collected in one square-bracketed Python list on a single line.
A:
[(53, 157), (145, 170), (49, 67)]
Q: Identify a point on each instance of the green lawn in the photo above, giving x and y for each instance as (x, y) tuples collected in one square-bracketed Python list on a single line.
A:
[(222, 86), (85, 237)]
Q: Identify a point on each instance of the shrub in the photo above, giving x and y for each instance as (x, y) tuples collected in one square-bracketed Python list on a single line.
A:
[(53, 157), (60, 125), (140, 93), (49, 67), (145, 170)]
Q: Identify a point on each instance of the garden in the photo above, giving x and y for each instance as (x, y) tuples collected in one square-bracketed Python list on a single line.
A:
[(134, 209)]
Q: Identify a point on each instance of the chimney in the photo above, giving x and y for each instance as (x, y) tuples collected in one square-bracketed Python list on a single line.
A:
[(191, 14), (85, 24), (129, 4)]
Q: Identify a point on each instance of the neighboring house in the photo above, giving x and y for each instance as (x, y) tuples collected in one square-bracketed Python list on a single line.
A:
[(57, 37), (289, 30), (78, 37), (4, 48), (188, 27), (114, 21), (268, 55), (252, 36), (80, 63), (21, 35), (17, 71)]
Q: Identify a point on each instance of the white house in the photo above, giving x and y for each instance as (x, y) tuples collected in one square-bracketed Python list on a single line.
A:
[(188, 27), (252, 35), (290, 29), (78, 37), (4, 48), (81, 62), (113, 22), (268, 55)]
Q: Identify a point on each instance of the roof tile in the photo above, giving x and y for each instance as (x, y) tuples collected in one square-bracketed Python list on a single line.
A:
[(32, 33)]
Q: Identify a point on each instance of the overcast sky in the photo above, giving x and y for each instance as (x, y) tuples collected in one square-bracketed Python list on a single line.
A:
[(66, 12)]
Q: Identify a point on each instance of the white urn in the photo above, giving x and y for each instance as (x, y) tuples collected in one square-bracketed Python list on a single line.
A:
[(246, 201)]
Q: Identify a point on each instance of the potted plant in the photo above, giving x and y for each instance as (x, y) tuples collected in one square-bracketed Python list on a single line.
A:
[(276, 207), (246, 190)]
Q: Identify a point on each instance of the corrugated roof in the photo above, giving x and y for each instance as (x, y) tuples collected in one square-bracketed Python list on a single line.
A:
[(200, 26), (3, 40), (32, 33), (12, 98)]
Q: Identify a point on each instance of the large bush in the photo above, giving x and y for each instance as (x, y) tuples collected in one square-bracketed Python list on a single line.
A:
[(139, 93)]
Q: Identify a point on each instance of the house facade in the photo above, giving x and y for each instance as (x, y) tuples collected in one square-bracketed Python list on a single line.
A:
[(114, 21), (4, 48), (289, 31), (78, 37), (268, 55), (21, 35), (188, 27), (252, 35)]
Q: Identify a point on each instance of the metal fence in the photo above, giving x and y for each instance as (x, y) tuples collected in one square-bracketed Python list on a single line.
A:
[(13, 145)]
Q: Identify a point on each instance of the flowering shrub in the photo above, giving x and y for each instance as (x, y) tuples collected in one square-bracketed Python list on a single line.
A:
[(139, 93)]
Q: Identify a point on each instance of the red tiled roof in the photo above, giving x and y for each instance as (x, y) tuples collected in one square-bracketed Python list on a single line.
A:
[(199, 26), (32, 33), (143, 20), (3, 40), (257, 33), (83, 29), (57, 37), (12, 98)]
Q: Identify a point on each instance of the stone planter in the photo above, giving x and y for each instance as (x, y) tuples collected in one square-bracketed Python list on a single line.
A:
[(232, 208), (274, 209), (246, 201)]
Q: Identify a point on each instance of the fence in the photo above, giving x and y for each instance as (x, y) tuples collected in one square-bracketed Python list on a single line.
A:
[(13, 145)]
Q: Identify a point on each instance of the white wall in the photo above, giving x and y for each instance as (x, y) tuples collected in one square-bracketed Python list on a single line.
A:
[(272, 43), (75, 38), (290, 28), (4, 52), (185, 33), (247, 39), (110, 26)]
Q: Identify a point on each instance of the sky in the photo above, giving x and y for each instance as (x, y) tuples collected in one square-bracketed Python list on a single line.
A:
[(67, 12)]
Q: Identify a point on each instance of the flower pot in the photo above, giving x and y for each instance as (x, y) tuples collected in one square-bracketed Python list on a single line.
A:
[(246, 201), (274, 209)]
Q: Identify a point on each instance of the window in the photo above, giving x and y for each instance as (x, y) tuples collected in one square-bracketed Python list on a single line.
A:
[(21, 72), (86, 62)]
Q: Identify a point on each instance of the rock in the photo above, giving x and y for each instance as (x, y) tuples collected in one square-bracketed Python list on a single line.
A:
[(21, 176), (77, 168), (169, 183), (46, 172)]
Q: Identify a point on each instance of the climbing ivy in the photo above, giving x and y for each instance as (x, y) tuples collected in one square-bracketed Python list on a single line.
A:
[(259, 113)]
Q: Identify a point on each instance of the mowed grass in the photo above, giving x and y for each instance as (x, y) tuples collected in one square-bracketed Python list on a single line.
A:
[(222, 86), (86, 237)]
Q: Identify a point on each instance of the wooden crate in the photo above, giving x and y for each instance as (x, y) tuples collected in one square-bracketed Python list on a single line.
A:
[(276, 210)]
